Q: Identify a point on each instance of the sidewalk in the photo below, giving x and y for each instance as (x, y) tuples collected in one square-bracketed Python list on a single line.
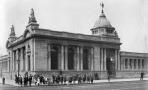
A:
[(9, 82), (12, 82)]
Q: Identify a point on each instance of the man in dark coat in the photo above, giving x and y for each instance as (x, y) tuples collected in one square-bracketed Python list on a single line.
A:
[(20, 80), (30, 80), (142, 75)]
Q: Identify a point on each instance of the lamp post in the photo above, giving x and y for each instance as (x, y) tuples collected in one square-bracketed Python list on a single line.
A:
[(111, 59)]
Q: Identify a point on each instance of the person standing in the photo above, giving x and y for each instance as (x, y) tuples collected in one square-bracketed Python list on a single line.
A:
[(20, 80), (30, 80), (108, 78), (92, 79), (3, 80), (142, 75), (24, 80)]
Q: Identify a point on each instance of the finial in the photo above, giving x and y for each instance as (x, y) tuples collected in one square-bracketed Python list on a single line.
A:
[(32, 12), (32, 17), (12, 28), (12, 31), (102, 5)]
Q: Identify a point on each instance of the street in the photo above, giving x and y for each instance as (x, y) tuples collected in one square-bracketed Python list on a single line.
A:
[(127, 85)]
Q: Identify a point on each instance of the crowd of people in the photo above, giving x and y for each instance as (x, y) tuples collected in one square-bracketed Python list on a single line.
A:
[(56, 79), (26, 80), (63, 79)]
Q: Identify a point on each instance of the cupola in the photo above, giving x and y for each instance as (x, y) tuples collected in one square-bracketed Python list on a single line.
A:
[(102, 26)]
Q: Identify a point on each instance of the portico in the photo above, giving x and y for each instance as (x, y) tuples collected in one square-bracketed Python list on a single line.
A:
[(70, 57)]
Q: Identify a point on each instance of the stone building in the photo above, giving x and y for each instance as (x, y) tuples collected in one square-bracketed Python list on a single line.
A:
[(47, 52)]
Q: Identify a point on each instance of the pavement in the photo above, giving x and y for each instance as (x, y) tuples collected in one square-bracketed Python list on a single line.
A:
[(12, 82)]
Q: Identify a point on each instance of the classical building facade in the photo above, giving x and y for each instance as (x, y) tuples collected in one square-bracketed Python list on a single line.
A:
[(47, 52)]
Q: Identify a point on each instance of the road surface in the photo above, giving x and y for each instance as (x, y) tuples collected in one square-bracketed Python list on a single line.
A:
[(127, 85)]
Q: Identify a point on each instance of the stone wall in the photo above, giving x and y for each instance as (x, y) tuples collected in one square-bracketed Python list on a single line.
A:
[(40, 55)]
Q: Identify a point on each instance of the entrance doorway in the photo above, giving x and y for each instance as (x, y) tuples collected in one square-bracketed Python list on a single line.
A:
[(110, 62), (110, 66)]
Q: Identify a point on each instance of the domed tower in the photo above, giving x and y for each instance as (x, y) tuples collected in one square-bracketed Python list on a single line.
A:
[(12, 36), (103, 27)]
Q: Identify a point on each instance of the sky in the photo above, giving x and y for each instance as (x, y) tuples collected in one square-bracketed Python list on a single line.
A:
[(129, 17)]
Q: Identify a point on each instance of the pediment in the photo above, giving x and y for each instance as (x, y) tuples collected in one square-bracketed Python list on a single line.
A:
[(8, 43), (27, 33)]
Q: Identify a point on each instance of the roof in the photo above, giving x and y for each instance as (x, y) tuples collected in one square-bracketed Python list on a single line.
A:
[(4, 57), (102, 22), (77, 36), (66, 35), (133, 54)]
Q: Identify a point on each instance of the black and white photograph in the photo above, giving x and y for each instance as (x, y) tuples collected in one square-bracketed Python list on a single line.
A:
[(73, 44)]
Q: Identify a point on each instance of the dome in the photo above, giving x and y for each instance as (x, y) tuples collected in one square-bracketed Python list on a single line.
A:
[(102, 22)]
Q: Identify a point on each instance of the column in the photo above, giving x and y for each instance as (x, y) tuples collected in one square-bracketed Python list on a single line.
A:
[(26, 60), (140, 64), (62, 57), (16, 60), (136, 64), (21, 59), (81, 58), (49, 57), (75, 58), (92, 59), (8, 65), (66, 56), (101, 50), (12, 60), (23, 55), (78, 58), (59, 57), (116, 60), (123, 64), (128, 64), (104, 59)]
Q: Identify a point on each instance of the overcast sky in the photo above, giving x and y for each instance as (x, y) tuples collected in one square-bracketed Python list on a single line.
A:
[(129, 17)]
